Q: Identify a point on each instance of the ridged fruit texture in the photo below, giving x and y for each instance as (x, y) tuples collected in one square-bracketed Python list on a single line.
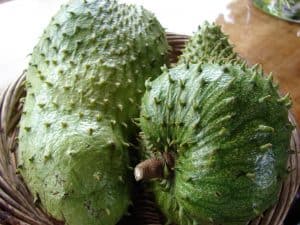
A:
[(84, 84), (228, 130)]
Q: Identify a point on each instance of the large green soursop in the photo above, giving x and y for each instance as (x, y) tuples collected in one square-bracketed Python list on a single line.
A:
[(216, 134), (84, 84)]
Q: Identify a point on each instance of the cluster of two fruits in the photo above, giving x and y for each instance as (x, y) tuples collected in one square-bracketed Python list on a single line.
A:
[(222, 123)]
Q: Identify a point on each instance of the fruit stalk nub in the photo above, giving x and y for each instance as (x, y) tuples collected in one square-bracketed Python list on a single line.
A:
[(148, 169), (154, 167)]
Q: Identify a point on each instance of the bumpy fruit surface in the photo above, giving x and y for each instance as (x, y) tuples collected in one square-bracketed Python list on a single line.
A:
[(217, 135), (84, 84), (228, 132), (208, 44)]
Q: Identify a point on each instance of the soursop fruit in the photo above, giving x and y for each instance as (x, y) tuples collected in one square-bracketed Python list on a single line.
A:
[(208, 44), (84, 83), (216, 135)]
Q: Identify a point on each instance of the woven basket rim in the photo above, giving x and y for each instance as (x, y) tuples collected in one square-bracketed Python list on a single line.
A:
[(17, 204)]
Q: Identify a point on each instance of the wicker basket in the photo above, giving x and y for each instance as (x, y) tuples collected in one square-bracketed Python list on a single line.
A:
[(17, 205)]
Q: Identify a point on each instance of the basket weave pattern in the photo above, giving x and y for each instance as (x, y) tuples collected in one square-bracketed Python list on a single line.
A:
[(17, 206)]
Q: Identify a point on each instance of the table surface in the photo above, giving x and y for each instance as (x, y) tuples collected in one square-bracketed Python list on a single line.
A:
[(260, 38)]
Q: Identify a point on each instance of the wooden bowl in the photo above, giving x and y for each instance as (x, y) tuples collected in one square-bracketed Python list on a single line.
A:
[(17, 205)]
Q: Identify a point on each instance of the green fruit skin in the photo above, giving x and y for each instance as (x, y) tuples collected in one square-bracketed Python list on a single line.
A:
[(229, 131), (84, 84), (208, 44)]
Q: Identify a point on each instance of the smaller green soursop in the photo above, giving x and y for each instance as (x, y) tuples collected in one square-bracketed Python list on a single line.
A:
[(208, 44), (216, 134), (84, 84)]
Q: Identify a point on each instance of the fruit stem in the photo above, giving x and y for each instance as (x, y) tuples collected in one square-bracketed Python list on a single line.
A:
[(154, 167)]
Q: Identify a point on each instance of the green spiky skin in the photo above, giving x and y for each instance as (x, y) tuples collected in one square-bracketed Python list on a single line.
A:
[(84, 84), (229, 131), (208, 44)]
